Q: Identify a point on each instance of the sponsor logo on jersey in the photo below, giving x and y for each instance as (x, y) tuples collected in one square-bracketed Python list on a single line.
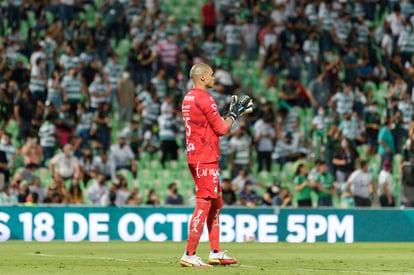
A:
[(189, 98)]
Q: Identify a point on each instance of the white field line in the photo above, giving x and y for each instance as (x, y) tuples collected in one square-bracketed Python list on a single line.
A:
[(95, 258), (345, 271), (240, 266), (116, 259)]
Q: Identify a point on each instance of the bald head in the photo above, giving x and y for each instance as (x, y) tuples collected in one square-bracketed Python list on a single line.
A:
[(202, 76), (198, 70)]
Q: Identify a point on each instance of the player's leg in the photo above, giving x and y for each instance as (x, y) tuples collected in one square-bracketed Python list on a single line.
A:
[(207, 188), (213, 225), (202, 209)]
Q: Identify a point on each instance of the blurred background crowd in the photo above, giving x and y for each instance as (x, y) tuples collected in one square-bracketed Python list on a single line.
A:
[(90, 95)]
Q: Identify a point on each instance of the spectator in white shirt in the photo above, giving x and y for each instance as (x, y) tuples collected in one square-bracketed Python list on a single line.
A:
[(98, 190), (239, 181), (38, 53), (387, 46), (122, 156), (103, 165), (360, 185), (122, 192), (386, 186), (265, 135), (239, 151), (65, 164), (396, 20)]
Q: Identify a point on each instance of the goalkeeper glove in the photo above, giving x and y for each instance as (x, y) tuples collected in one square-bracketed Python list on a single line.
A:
[(239, 106)]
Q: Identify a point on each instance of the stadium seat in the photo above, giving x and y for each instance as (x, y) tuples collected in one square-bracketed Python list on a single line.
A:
[(128, 175), (265, 178), (86, 198), (44, 175), (146, 178)]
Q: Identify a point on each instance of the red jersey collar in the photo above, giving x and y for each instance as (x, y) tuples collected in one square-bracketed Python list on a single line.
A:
[(198, 90)]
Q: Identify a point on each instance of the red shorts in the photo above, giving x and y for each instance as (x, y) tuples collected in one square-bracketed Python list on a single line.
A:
[(206, 178)]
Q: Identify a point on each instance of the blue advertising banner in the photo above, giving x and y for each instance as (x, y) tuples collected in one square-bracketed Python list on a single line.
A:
[(160, 224)]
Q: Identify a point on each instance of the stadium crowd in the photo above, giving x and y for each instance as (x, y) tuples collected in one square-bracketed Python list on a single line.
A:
[(332, 82)]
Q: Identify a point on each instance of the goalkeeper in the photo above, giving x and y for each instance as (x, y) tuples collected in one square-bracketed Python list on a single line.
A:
[(204, 125)]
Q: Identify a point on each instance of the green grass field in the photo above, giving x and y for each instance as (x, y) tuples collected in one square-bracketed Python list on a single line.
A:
[(163, 258)]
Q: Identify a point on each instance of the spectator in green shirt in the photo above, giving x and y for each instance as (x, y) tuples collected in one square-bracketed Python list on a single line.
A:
[(302, 187), (325, 185)]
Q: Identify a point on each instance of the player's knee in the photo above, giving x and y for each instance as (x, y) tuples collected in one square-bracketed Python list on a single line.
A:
[(203, 203)]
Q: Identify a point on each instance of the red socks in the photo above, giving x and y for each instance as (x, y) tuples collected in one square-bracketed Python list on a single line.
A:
[(213, 223), (210, 209), (201, 211)]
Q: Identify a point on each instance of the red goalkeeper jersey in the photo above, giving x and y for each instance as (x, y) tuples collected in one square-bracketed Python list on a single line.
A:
[(203, 126)]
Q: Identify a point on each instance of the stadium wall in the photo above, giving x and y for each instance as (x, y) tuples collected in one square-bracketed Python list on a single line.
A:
[(160, 224)]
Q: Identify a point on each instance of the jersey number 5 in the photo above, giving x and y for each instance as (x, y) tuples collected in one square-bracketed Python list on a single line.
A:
[(187, 126)]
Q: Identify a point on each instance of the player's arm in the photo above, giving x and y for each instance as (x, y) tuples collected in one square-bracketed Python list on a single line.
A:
[(322, 189), (219, 126), (228, 121), (338, 161), (299, 187), (286, 201), (332, 191), (267, 198), (351, 181), (237, 108), (312, 98), (387, 194), (371, 188), (411, 127)]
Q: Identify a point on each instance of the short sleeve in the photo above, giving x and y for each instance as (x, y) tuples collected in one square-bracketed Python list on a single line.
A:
[(130, 153), (55, 159), (258, 132), (352, 177)]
